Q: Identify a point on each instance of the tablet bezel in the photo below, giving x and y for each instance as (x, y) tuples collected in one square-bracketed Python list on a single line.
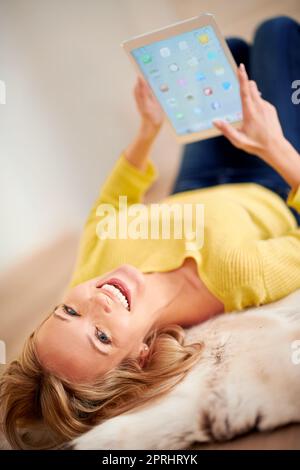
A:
[(205, 19)]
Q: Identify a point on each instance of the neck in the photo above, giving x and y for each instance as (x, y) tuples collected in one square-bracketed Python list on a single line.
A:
[(182, 298)]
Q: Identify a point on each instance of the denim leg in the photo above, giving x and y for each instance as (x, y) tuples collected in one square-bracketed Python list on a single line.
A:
[(275, 64), (204, 163)]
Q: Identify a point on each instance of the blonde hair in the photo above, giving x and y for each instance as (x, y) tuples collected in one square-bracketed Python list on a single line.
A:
[(31, 395)]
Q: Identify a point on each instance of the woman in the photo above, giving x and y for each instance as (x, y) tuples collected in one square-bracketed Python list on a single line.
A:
[(115, 341)]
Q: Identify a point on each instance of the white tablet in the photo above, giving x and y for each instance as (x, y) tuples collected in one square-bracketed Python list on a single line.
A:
[(191, 71)]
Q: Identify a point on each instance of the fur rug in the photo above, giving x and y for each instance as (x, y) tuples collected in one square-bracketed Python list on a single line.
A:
[(248, 378)]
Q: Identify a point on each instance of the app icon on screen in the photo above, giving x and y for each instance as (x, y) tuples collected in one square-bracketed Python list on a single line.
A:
[(203, 38), (208, 91), (154, 72), (197, 110), (173, 67), (219, 70), (200, 76), (146, 58), (165, 52), (215, 105), (226, 85), (212, 55), (193, 61), (179, 115), (172, 102), (189, 97), (164, 87), (182, 81), (183, 45)]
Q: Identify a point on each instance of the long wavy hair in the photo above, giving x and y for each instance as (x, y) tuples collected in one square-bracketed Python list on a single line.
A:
[(31, 396)]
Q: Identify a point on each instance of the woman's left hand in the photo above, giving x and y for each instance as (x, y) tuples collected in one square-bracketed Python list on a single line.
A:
[(149, 108), (261, 132)]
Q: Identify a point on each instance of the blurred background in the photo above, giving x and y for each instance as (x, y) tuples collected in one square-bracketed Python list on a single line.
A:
[(69, 112)]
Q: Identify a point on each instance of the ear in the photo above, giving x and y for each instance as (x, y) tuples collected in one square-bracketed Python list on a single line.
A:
[(143, 354)]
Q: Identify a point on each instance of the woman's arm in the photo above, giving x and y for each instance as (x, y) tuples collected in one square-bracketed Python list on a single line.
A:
[(284, 158), (131, 176), (134, 172), (277, 259), (261, 132), (151, 121), (137, 152)]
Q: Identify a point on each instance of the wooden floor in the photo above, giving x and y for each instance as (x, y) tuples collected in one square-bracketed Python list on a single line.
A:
[(35, 284)]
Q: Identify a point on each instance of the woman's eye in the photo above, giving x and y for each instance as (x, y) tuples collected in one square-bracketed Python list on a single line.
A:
[(69, 310), (102, 336)]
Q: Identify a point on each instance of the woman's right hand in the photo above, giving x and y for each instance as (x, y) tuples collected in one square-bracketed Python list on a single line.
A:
[(261, 131), (152, 115)]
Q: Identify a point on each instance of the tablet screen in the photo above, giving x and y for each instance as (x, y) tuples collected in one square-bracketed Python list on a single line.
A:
[(191, 77)]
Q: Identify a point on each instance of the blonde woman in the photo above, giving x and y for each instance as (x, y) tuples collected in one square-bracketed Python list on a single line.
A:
[(116, 340)]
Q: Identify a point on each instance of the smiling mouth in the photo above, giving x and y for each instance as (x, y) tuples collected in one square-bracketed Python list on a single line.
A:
[(119, 290)]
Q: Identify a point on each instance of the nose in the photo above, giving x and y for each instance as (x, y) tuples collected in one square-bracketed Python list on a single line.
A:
[(102, 300)]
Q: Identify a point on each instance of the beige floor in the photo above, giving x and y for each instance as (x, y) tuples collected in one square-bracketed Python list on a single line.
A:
[(35, 284)]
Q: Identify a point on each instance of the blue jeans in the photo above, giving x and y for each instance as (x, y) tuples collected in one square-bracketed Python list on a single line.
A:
[(273, 61)]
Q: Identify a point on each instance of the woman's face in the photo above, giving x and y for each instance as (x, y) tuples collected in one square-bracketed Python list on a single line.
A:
[(98, 325)]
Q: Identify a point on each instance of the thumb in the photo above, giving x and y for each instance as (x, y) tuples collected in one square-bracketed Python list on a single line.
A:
[(231, 133)]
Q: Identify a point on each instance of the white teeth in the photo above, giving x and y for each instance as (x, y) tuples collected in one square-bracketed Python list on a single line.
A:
[(114, 290)]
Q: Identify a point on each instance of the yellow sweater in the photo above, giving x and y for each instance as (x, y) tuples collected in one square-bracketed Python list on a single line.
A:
[(251, 250)]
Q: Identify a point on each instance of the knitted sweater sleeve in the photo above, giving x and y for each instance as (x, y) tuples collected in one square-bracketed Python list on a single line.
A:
[(124, 180), (280, 259), (261, 271)]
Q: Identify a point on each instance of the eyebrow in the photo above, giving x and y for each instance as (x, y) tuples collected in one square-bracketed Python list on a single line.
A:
[(100, 351)]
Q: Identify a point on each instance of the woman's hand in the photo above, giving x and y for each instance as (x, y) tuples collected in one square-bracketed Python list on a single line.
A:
[(150, 110), (152, 115), (261, 131)]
